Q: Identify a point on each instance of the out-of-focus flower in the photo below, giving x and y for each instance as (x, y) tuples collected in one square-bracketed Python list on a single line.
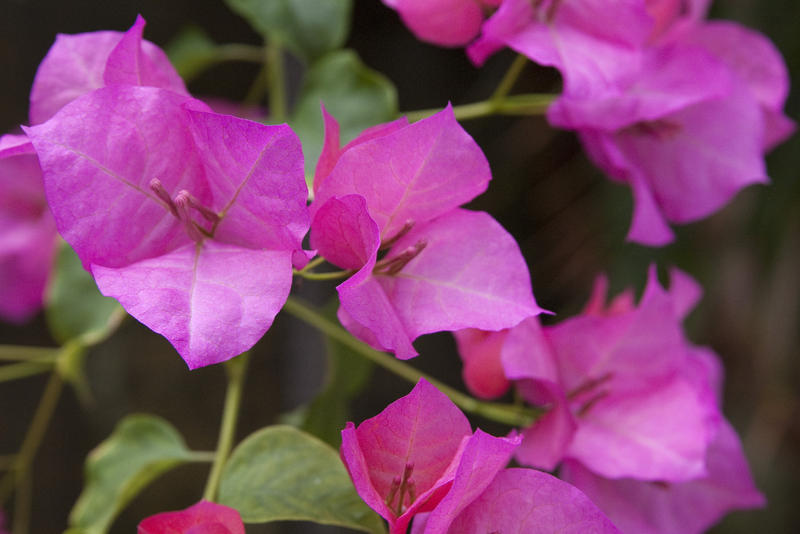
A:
[(691, 507), (201, 518), (27, 231), (443, 22)]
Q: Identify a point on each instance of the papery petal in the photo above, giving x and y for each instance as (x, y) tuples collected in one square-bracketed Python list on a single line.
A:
[(413, 174), (531, 502), (471, 274), (331, 150), (483, 370), (442, 22), (547, 440), (529, 359), (103, 150), (758, 63), (483, 457), (751, 55), (629, 351), (344, 233), (211, 301), (368, 314), (681, 508), (256, 180), (648, 226), (201, 518), (684, 291), (27, 249), (662, 434), (527, 353), (77, 64), (594, 47), (424, 429), (705, 155), (134, 61), (27, 231), (73, 67), (670, 78), (15, 145)]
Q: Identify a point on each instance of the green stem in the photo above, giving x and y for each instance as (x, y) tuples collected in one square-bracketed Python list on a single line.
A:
[(33, 437), (333, 275), (503, 413), (23, 502), (510, 78), (24, 352), (526, 104), (15, 371), (7, 461), (202, 456), (239, 52), (276, 80), (319, 260), (236, 372)]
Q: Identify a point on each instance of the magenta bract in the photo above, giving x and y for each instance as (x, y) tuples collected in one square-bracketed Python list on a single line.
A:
[(189, 218), (77, 64), (27, 231), (691, 507), (399, 187), (680, 109), (201, 518), (629, 396), (529, 501), (442, 22), (419, 454)]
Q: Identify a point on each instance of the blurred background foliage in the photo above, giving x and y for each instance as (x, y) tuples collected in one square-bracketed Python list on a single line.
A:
[(569, 220)]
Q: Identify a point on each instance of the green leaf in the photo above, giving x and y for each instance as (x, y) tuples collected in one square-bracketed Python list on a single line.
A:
[(140, 449), (308, 28), (356, 95), (74, 306), (280, 473), (191, 52), (347, 374)]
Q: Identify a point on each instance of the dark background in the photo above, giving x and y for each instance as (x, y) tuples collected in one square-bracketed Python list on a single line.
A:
[(569, 220)]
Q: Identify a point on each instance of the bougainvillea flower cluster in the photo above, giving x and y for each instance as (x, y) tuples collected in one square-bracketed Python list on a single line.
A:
[(189, 218), (387, 207), (679, 108), (629, 399), (201, 518), (420, 457)]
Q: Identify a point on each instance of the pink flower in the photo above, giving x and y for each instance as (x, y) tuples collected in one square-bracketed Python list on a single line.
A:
[(691, 131), (593, 43), (443, 22), (691, 507), (420, 459), (398, 188), (201, 518), (680, 109), (420, 455), (629, 396), (78, 64), (188, 218), (27, 231)]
